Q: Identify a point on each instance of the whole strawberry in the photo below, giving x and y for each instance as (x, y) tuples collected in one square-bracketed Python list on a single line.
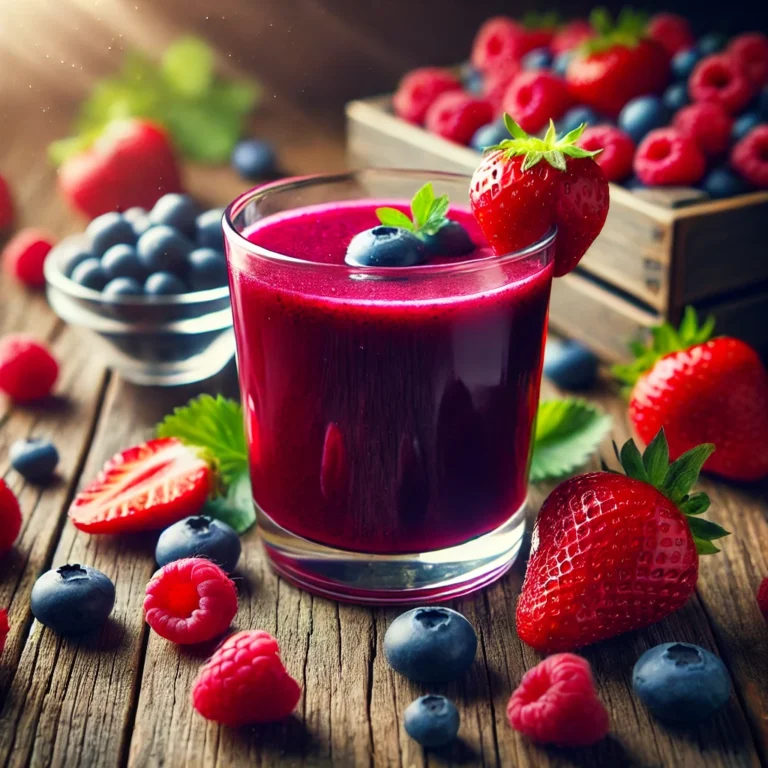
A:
[(612, 553), (617, 65), (702, 390), (525, 186)]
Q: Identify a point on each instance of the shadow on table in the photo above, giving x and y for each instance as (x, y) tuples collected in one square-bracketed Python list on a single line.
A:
[(289, 738)]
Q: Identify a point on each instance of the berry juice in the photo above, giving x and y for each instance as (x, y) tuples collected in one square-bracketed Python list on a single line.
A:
[(389, 410)]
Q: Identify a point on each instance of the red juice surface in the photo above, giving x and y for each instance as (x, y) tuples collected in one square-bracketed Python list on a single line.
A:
[(386, 414)]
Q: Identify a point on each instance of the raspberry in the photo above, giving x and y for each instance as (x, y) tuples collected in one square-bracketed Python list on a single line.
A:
[(721, 79), (419, 89), (28, 370), (556, 703), (667, 158), (750, 157), (25, 254), (245, 682), (496, 42), (618, 150), (708, 124), (4, 628), (762, 599), (457, 115), (190, 601), (571, 36), (751, 51), (6, 204), (497, 82), (534, 97), (10, 518), (671, 31)]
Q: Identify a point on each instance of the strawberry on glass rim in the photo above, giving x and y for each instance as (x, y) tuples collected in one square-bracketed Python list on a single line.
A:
[(611, 553), (525, 186), (147, 487)]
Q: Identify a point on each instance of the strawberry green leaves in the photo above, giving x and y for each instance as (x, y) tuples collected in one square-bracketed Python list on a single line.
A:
[(427, 211), (568, 432), (628, 29)]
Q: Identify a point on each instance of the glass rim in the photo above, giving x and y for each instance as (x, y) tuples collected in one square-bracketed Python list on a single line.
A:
[(296, 182)]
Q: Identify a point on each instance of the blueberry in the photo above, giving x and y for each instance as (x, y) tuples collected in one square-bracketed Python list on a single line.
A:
[(723, 182), (473, 79), (711, 43), (107, 230), (676, 96), (489, 135), (744, 124), (385, 247), (253, 158), (164, 284), (683, 62), (561, 62), (538, 58), (570, 364), (34, 459), (633, 183), (177, 211), (90, 274), (450, 240), (430, 645), (73, 257), (163, 249), (575, 116), (72, 599), (199, 536), (642, 115), (123, 261), (680, 682), (209, 231), (122, 286), (206, 269), (432, 721), (138, 218)]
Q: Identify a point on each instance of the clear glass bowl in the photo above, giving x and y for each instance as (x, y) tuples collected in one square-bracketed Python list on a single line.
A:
[(152, 341)]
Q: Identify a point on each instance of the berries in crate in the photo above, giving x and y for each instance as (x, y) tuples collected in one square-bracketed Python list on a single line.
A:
[(683, 126)]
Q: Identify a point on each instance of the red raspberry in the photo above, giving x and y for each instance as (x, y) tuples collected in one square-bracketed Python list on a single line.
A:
[(571, 36), (4, 628), (497, 82), (419, 89), (721, 79), (671, 31), (6, 204), (556, 703), (457, 115), (190, 601), (245, 682), (750, 157), (498, 41), (618, 150), (667, 158), (751, 51), (25, 254), (534, 97), (10, 518), (28, 370), (708, 124), (762, 597)]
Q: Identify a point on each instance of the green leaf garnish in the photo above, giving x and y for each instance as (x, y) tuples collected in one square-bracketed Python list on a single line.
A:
[(567, 433), (428, 213), (236, 509), (187, 66)]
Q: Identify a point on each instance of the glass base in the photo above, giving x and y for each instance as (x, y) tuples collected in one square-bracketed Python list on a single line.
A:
[(377, 579)]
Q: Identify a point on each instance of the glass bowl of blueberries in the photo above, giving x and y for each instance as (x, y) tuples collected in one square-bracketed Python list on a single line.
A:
[(152, 287)]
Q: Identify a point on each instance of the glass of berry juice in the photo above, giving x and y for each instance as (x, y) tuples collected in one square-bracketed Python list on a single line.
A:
[(389, 409)]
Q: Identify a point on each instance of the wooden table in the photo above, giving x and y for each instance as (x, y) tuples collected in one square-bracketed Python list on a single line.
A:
[(122, 697)]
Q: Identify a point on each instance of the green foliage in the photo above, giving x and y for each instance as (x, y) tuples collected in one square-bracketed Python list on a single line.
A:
[(236, 509), (428, 213)]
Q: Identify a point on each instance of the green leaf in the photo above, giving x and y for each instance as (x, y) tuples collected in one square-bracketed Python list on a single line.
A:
[(656, 459), (704, 547), (551, 135), (187, 66), (202, 133), (60, 151), (684, 472), (531, 159), (632, 461), (237, 96), (568, 432), (391, 217), (555, 159), (574, 135), (236, 509), (436, 217), (514, 129), (215, 424), (706, 529), (421, 204), (689, 325), (706, 330), (695, 504)]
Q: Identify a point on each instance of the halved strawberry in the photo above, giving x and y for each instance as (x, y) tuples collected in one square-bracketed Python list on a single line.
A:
[(146, 487)]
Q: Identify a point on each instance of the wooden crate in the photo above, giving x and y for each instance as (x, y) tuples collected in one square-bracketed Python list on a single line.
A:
[(659, 250)]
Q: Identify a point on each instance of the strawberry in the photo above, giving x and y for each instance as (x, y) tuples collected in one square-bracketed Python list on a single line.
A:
[(501, 40), (617, 65), (130, 164), (147, 487), (702, 390), (525, 186), (612, 553)]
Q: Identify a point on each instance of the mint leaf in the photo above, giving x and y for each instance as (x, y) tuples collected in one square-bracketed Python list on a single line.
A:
[(391, 217), (568, 432), (216, 425), (421, 205), (237, 96), (236, 509), (187, 66), (201, 132), (436, 217)]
